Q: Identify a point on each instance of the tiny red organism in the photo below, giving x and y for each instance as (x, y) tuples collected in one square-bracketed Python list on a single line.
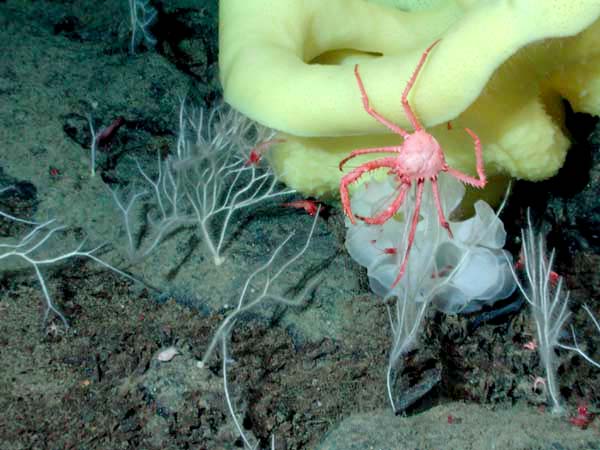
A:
[(257, 152), (443, 272), (553, 276), (386, 250), (452, 420), (106, 135), (310, 206), (583, 418), (417, 159)]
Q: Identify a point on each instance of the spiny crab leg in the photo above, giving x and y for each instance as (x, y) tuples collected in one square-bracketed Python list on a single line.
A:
[(366, 151), (438, 203), (409, 112), (354, 175), (365, 99), (411, 235), (468, 179), (388, 212)]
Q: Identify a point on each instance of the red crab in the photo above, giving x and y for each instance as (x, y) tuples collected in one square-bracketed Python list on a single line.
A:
[(420, 157)]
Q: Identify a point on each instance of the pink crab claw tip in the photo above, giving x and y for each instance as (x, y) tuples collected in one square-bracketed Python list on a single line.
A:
[(350, 216)]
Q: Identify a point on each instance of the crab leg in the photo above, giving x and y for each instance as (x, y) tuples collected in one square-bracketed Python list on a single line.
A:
[(390, 210), (365, 151), (365, 99), (354, 175), (468, 179), (411, 115), (411, 234), (438, 205)]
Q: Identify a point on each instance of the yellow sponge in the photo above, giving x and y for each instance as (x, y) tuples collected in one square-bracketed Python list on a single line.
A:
[(500, 69)]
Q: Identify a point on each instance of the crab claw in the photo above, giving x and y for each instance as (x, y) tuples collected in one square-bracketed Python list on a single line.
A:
[(345, 197)]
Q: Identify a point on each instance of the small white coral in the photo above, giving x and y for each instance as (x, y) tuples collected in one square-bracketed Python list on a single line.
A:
[(457, 275)]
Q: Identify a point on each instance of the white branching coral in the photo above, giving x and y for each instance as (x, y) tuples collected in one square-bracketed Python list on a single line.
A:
[(209, 179)]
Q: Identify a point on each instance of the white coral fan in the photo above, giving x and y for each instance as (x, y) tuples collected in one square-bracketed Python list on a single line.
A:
[(457, 275)]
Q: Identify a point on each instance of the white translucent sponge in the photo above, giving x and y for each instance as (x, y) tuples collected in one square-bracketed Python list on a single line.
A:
[(456, 275)]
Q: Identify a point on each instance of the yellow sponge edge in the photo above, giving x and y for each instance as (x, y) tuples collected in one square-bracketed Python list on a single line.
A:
[(499, 70)]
